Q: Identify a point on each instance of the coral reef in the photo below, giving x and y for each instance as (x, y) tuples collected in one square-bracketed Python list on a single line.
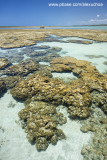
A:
[(54, 49), (36, 53), (23, 68), (21, 37), (46, 58), (4, 63), (100, 100), (41, 123), (96, 125), (77, 96), (80, 41), (44, 71), (55, 91), (10, 81)]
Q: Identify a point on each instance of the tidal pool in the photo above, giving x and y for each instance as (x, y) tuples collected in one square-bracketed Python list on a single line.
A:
[(13, 143)]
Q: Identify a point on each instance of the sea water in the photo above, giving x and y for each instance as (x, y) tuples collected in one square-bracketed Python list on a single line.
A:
[(90, 27), (13, 142)]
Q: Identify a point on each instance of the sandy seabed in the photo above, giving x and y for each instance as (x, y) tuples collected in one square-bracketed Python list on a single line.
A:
[(14, 144)]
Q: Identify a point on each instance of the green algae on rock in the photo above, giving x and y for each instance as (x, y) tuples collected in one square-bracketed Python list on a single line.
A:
[(41, 120)]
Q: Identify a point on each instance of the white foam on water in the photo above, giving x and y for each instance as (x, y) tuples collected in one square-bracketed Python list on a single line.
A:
[(15, 146)]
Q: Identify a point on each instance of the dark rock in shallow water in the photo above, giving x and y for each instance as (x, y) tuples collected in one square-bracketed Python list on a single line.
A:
[(4, 63), (37, 53), (16, 58), (46, 58), (95, 56), (10, 81), (42, 47), (23, 68), (100, 100), (54, 50), (105, 63), (80, 41), (96, 149), (2, 86)]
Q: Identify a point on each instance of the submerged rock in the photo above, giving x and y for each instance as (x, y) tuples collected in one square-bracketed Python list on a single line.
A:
[(11, 81), (37, 53), (100, 100), (2, 86), (23, 68), (46, 58), (96, 148), (4, 63), (42, 47), (41, 123), (80, 41), (54, 49)]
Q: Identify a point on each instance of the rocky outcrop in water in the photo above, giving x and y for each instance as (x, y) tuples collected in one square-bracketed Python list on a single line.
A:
[(97, 126), (4, 63), (2, 86), (37, 53), (10, 81), (80, 41), (41, 123), (23, 68), (55, 91), (77, 96)]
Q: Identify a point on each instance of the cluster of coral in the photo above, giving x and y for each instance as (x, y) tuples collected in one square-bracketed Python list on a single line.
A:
[(88, 75), (96, 124), (23, 68), (4, 63), (76, 96), (42, 94), (41, 123)]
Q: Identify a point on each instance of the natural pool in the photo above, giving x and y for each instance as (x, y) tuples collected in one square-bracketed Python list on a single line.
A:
[(14, 144)]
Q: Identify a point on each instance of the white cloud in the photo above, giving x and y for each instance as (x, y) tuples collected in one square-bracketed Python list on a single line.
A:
[(98, 15), (95, 21), (98, 20)]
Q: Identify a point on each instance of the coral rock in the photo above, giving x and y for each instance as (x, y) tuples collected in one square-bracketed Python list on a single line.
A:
[(23, 68), (4, 63)]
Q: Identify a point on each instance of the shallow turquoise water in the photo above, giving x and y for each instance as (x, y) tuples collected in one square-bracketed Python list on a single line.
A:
[(69, 27)]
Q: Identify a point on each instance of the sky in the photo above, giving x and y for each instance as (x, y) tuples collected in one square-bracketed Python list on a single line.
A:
[(52, 12)]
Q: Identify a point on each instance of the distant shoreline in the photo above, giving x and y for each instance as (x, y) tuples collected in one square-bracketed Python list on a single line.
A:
[(48, 26)]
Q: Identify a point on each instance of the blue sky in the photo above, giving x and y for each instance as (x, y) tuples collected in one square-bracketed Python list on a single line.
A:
[(38, 12)]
